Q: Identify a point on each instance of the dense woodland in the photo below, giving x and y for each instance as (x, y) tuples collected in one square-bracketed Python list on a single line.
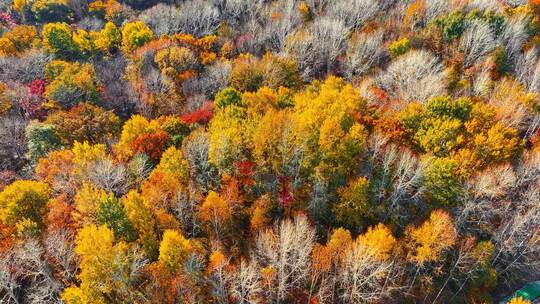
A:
[(259, 151)]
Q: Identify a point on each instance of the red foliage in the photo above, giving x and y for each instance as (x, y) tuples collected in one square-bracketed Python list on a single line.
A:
[(33, 107), (284, 195), (37, 87), (245, 170), (7, 20), (152, 144), (201, 116)]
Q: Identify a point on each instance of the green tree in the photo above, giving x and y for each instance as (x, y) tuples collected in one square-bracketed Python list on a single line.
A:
[(111, 213), (226, 97), (41, 139), (353, 206), (443, 185), (58, 39), (134, 35)]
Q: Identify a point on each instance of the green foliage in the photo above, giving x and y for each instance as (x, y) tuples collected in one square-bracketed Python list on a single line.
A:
[(58, 39), (51, 10), (226, 97), (452, 25), (353, 207), (42, 139), (71, 83), (134, 35), (443, 185), (399, 47), (111, 213)]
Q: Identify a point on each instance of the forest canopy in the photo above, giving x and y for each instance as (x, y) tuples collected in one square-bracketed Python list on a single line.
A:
[(269, 151)]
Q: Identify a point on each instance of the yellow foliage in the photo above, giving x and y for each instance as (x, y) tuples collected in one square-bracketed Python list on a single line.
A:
[(216, 260), (104, 266), (519, 300), (140, 215), (215, 208), (87, 200), (378, 240), (23, 203), (173, 250), (134, 35), (431, 239), (173, 161), (339, 243)]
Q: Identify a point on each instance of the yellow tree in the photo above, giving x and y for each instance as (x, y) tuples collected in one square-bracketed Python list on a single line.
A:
[(23, 204), (519, 300), (430, 240), (104, 267), (378, 240), (215, 210), (173, 250), (140, 214), (87, 200)]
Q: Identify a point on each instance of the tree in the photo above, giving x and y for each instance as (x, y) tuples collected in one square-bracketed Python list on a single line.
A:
[(140, 215), (111, 212), (216, 211), (172, 161), (71, 83), (50, 10), (353, 206), (173, 250), (134, 35), (152, 144), (58, 39), (23, 204), (519, 300), (226, 97), (399, 47), (56, 170), (443, 185), (21, 38), (86, 202), (415, 76), (379, 241), (430, 240), (42, 139), (109, 39), (285, 251), (84, 122), (105, 269)]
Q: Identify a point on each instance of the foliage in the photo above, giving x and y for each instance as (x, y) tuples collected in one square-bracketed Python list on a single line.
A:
[(23, 203), (399, 47), (71, 84), (134, 35)]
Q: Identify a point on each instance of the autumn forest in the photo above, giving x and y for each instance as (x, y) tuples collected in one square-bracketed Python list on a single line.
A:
[(269, 151)]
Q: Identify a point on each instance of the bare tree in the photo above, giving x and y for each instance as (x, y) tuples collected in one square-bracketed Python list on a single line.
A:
[(414, 76), (363, 52), (108, 176), (245, 287), (195, 150), (477, 41), (60, 249), (12, 142), (24, 68), (25, 276), (514, 36), (317, 48), (364, 278), (355, 13), (287, 249), (197, 18)]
